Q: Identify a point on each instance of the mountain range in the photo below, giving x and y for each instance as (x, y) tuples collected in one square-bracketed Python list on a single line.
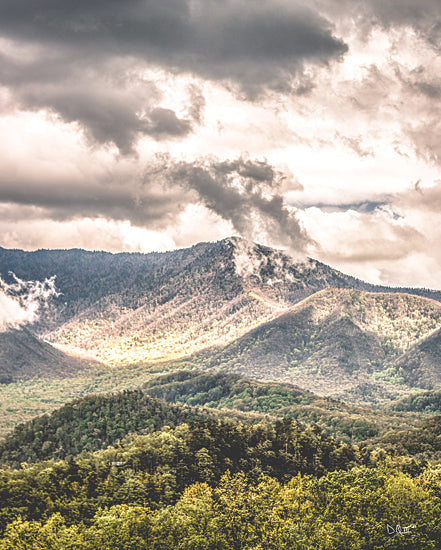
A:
[(232, 305)]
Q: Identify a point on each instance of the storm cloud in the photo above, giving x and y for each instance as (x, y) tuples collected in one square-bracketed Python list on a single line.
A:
[(423, 16), (74, 58), (246, 193), (142, 125), (256, 46), (104, 195), (113, 102)]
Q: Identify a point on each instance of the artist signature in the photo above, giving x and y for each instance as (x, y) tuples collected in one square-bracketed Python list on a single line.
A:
[(398, 530)]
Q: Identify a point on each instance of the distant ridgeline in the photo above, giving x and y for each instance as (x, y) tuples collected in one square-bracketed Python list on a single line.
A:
[(230, 305), (132, 279)]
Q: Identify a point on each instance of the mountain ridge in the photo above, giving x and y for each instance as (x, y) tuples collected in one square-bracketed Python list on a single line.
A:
[(97, 421), (336, 343), (238, 306), (115, 305)]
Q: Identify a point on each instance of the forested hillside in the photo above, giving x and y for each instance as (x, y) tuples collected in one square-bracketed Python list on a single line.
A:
[(423, 441), (213, 485), (230, 391), (232, 306), (420, 366), (97, 421), (428, 402), (90, 424), (343, 343)]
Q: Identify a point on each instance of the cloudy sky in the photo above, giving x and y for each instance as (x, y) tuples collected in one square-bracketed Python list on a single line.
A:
[(144, 125)]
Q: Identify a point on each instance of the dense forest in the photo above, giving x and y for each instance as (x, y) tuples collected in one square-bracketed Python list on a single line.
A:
[(218, 485), (215, 460), (89, 424), (169, 477), (423, 441), (222, 391), (429, 402), (96, 421)]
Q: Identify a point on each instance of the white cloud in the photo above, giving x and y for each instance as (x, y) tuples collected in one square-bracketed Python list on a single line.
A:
[(22, 301)]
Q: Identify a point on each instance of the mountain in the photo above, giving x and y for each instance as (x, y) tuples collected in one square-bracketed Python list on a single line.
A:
[(341, 343), (94, 422), (131, 308), (125, 308), (23, 356), (222, 307)]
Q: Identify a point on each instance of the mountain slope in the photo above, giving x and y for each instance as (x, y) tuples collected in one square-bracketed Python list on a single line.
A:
[(23, 356), (421, 365), (334, 342), (90, 424), (97, 421), (236, 306), (127, 308)]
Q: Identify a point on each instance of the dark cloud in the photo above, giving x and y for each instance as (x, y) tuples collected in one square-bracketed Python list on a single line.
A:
[(164, 122), (256, 46), (246, 193), (113, 104), (111, 196), (75, 58)]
